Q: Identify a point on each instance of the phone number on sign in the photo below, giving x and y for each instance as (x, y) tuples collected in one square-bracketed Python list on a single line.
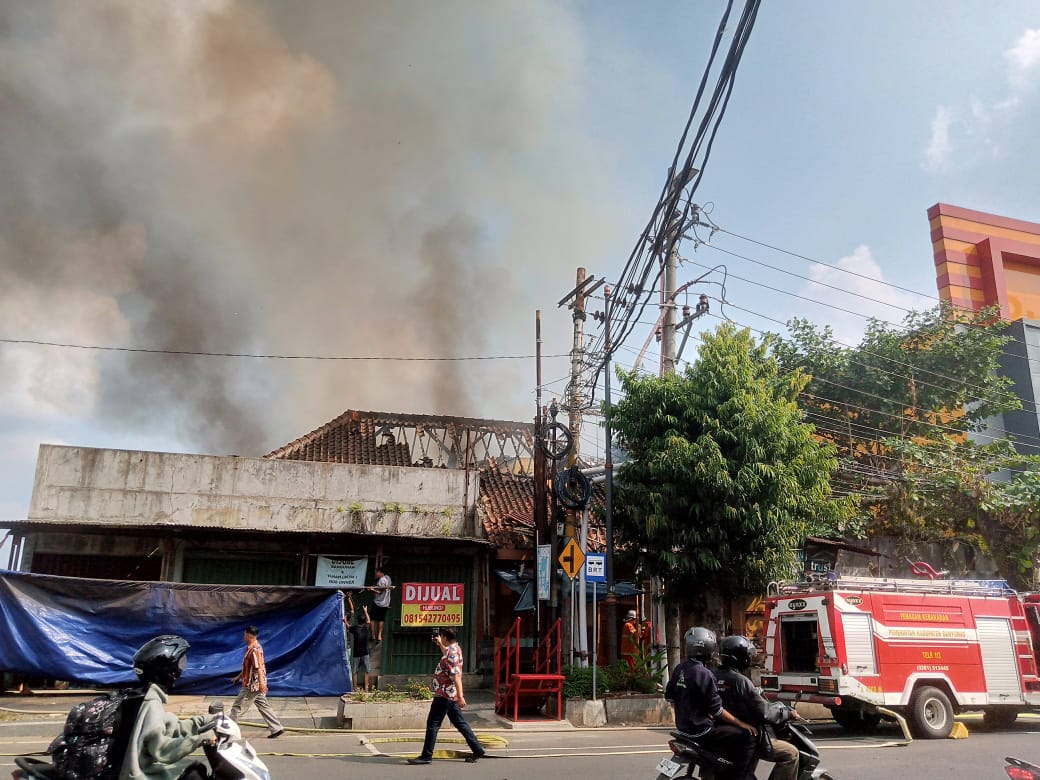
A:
[(431, 618)]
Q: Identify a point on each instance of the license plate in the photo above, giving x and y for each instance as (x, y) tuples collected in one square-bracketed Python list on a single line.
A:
[(669, 768)]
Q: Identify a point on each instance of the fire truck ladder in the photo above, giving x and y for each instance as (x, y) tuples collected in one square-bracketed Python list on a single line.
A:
[(515, 691), (996, 588)]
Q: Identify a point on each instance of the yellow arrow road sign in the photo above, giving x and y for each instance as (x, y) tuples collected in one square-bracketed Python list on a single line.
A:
[(572, 559)]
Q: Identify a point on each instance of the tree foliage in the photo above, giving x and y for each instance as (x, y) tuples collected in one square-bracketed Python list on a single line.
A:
[(984, 495), (908, 410), (936, 374), (724, 478)]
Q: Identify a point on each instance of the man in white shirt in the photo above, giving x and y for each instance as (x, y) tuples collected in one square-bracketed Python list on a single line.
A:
[(380, 604)]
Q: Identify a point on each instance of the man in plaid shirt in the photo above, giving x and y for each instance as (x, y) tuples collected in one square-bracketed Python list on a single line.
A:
[(448, 699)]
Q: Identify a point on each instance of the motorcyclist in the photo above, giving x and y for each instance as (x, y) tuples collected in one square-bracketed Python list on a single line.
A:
[(161, 744), (699, 712), (745, 701)]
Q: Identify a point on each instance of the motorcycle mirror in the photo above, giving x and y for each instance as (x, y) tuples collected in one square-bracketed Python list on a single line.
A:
[(216, 708)]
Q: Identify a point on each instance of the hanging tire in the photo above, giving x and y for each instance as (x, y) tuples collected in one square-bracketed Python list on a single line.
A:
[(999, 717), (931, 714)]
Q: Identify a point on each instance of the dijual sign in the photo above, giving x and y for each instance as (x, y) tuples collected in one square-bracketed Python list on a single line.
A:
[(432, 604)]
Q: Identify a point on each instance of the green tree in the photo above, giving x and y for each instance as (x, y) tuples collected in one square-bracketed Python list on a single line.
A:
[(937, 373), (724, 478), (947, 491), (902, 408)]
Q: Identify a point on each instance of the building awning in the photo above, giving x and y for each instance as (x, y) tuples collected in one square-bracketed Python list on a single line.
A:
[(523, 584)]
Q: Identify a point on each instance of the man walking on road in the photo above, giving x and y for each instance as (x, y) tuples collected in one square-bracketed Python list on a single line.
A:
[(448, 699), (254, 685)]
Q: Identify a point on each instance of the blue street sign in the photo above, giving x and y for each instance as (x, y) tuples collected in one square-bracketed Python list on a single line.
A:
[(595, 567)]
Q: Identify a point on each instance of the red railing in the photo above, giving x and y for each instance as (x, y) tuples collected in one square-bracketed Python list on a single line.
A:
[(531, 690), (548, 657)]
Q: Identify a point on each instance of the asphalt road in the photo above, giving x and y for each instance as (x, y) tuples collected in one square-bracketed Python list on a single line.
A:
[(608, 753)]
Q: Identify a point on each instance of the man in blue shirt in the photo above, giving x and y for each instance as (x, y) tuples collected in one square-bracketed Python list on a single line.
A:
[(698, 707)]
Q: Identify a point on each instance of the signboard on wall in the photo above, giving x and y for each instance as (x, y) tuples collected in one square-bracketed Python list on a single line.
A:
[(340, 572), (544, 566), (432, 604)]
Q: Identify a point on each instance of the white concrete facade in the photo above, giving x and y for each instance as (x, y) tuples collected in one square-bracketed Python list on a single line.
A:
[(125, 489)]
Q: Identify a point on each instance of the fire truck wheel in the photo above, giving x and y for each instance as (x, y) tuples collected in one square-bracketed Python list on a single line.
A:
[(931, 714)]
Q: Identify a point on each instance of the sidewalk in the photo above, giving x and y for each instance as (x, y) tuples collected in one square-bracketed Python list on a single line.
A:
[(44, 712)]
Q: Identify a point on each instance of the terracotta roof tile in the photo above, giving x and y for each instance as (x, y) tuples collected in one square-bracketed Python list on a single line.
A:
[(508, 503), (368, 438)]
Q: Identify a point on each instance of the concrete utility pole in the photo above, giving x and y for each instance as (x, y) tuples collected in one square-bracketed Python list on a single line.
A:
[(576, 400), (671, 267), (672, 628), (577, 352), (542, 535)]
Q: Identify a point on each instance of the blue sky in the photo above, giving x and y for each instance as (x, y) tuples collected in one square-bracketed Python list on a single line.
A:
[(405, 180)]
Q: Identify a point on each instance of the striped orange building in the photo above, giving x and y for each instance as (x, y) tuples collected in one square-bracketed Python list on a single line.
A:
[(986, 260)]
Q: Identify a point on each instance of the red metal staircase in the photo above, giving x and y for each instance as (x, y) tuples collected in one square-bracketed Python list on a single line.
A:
[(528, 692)]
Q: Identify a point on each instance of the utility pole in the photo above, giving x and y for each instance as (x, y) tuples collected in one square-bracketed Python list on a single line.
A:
[(671, 267), (668, 294), (575, 401), (610, 602), (542, 535)]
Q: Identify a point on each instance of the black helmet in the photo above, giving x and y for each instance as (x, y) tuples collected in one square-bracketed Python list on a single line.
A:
[(161, 660), (700, 643), (736, 651)]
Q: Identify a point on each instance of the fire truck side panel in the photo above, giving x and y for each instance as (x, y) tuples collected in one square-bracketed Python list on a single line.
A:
[(999, 660), (925, 640), (876, 641)]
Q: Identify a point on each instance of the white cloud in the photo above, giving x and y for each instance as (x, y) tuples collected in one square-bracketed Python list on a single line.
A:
[(1024, 60), (979, 133), (870, 296), (940, 148)]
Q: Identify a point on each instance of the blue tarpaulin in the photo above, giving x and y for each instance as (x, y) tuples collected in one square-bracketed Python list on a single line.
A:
[(83, 630)]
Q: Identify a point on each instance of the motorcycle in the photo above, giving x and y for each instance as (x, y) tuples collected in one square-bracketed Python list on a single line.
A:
[(231, 758), (1017, 769), (689, 758)]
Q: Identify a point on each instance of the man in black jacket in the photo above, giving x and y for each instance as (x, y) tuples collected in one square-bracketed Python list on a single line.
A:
[(699, 711), (745, 701)]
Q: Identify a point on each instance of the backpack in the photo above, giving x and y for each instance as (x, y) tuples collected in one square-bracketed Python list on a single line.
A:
[(96, 736)]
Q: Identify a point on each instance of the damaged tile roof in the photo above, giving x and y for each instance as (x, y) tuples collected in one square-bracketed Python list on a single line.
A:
[(395, 439), (508, 503), (423, 440)]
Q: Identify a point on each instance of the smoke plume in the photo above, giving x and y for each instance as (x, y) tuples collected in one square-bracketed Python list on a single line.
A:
[(323, 178)]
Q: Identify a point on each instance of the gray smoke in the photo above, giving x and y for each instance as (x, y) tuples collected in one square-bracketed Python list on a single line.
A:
[(328, 178)]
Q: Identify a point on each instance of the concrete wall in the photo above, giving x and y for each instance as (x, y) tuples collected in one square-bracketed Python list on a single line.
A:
[(121, 488)]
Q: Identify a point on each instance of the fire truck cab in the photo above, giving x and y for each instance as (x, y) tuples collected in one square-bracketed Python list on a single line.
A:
[(925, 649)]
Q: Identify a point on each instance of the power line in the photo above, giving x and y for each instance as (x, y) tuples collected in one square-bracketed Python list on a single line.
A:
[(716, 228), (155, 351), (937, 374)]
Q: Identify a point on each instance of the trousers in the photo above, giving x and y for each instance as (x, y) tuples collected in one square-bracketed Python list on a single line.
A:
[(439, 707), (785, 756), (733, 743), (246, 699)]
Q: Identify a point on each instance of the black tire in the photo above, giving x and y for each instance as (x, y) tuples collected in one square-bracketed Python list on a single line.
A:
[(999, 718), (931, 714), (856, 720)]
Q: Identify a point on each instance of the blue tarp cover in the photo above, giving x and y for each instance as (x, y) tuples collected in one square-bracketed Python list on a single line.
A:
[(83, 630)]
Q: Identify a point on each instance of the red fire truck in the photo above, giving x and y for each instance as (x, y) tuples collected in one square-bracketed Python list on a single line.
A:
[(924, 649)]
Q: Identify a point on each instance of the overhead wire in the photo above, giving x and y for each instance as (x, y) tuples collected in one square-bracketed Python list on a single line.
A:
[(632, 293), (715, 228), (260, 356)]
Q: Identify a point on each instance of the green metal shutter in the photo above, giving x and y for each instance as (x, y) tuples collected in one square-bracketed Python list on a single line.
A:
[(409, 650)]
